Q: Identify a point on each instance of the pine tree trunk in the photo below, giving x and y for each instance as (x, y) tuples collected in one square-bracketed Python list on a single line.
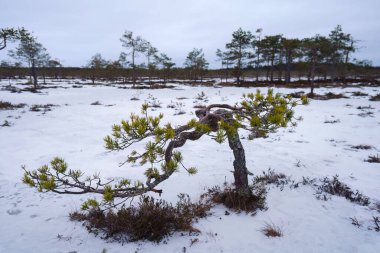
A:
[(34, 75), (240, 169)]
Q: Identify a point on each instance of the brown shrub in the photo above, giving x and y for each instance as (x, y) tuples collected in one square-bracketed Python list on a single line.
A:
[(237, 201), (338, 188), (9, 106), (150, 219), (271, 230), (375, 97)]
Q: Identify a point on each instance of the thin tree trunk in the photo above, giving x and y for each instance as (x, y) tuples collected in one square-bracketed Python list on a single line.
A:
[(240, 169), (312, 75), (34, 74)]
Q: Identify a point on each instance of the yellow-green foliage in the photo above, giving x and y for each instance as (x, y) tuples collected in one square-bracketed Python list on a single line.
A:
[(266, 113)]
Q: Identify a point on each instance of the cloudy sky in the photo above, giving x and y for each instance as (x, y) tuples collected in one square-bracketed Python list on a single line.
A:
[(74, 30)]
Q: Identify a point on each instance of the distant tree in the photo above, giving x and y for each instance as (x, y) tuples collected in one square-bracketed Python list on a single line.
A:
[(225, 59), (31, 52), (292, 50), (54, 64), (135, 46), (342, 44), (166, 64), (44, 65), (196, 63), (238, 50), (256, 44), (150, 52), (10, 35), (114, 65), (96, 63), (220, 57), (316, 50), (271, 47)]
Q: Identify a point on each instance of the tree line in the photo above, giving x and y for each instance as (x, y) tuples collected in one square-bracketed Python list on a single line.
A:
[(269, 58)]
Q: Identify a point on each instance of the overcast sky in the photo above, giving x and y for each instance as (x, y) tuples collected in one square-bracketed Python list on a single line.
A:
[(74, 30)]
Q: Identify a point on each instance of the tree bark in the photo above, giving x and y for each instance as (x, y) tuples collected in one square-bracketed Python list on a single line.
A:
[(34, 74), (240, 169)]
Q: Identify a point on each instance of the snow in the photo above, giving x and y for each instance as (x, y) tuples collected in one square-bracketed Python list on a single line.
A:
[(74, 130)]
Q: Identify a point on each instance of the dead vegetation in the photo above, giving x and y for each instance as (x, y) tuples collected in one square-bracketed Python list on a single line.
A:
[(6, 123), (271, 230), (375, 97), (332, 121), (369, 107), (178, 107), (271, 177), (355, 222), (150, 219), (9, 106), (335, 187), (359, 94), (362, 146), (43, 108), (376, 223), (373, 159), (327, 96), (234, 200)]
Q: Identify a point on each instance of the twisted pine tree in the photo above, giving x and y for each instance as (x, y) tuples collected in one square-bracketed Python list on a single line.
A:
[(257, 113)]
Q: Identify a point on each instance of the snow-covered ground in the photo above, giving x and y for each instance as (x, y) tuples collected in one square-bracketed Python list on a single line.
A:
[(74, 129)]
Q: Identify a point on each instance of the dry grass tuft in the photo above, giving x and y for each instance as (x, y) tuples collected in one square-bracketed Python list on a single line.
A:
[(271, 230)]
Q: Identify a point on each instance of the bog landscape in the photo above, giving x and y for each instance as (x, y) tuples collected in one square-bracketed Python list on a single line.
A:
[(273, 146)]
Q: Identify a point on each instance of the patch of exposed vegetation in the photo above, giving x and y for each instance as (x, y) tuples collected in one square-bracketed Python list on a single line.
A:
[(359, 94), (153, 102), (154, 86), (272, 177), (96, 103), (43, 108), (365, 114), (178, 107), (298, 94), (335, 187), (327, 96), (362, 146), (271, 230), (150, 219), (373, 159), (9, 106), (332, 121), (369, 107), (375, 97), (355, 222), (376, 223), (6, 124), (234, 200)]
